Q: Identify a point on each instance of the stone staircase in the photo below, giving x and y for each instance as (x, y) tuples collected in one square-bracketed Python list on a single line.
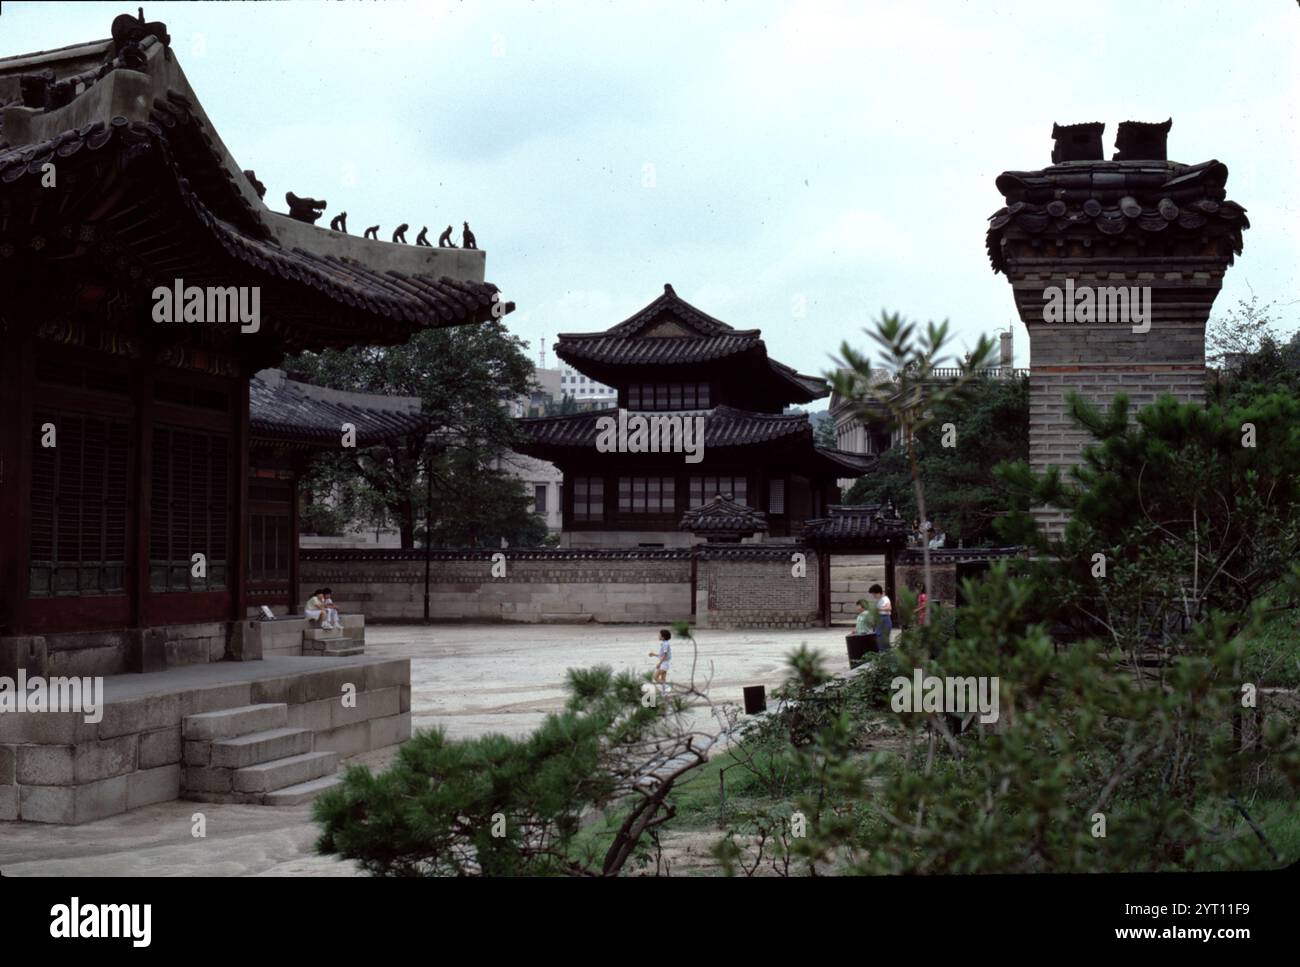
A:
[(331, 644), (251, 755), (295, 636)]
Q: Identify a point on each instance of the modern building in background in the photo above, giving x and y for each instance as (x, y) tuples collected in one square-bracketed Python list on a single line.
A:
[(672, 359), (580, 386)]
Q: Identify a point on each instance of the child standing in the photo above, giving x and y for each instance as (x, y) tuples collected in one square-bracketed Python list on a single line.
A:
[(665, 655)]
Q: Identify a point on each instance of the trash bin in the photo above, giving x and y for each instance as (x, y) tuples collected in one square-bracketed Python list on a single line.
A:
[(755, 699), (858, 646)]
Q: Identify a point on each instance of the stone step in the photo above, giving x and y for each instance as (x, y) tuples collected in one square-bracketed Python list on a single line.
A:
[(290, 771), (322, 634), (302, 792), (258, 747), (231, 722), (342, 651), (333, 649)]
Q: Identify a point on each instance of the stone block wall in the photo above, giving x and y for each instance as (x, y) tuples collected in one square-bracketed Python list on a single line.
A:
[(736, 586), (632, 586), (755, 587), (117, 651), (943, 578), (1098, 360)]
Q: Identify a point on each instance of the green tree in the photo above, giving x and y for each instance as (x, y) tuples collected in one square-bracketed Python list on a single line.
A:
[(1179, 512), (912, 394), (992, 423), (465, 377), (1133, 740)]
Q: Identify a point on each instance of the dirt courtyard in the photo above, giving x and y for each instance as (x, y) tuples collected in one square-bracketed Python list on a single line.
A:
[(470, 679)]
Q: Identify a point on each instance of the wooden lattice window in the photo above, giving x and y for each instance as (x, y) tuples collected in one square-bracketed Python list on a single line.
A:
[(268, 547), (190, 509), (646, 495), (588, 498), (78, 504), (704, 489)]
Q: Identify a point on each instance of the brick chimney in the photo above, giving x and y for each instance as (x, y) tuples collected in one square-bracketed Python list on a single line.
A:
[(1109, 237)]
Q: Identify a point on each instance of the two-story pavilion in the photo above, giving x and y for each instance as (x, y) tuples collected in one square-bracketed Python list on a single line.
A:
[(671, 358)]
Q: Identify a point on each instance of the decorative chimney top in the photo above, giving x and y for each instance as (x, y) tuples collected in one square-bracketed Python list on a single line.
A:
[(1142, 141), (1079, 200), (1078, 142)]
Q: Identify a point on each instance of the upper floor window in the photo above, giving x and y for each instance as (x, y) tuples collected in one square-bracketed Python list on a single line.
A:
[(588, 498), (704, 489), (646, 495), (776, 495), (668, 396)]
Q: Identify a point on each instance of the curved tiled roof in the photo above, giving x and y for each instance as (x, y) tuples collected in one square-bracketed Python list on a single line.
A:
[(723, 515), (284, 410), (723, 427), (862, 523), (695, 337), (813, 385), (1110, 198), (673, 304), (206, 189), (656, 351)]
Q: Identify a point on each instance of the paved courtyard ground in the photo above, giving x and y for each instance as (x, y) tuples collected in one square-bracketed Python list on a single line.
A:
[(469, 679)]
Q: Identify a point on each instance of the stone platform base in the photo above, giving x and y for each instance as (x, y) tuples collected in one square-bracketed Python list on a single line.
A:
[(298, 636), (57, 768)]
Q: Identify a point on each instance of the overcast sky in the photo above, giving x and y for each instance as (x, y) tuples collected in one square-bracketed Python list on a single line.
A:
[(758, 156)]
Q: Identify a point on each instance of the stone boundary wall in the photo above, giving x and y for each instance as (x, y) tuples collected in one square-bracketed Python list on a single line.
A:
[(749, 586), (561, 586)]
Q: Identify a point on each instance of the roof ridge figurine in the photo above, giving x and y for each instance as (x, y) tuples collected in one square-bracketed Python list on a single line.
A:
[(423, 237), (467, 239), (444, 240), (257, 185), (339, 222), (372, 232), (399, 234), (305, 209)]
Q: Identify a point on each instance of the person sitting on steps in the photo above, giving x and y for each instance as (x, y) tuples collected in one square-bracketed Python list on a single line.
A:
[(319, 610)]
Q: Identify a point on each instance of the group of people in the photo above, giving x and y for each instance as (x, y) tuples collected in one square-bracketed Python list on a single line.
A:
[(884, 625), (884, 614), (320, 607), (925, 532)]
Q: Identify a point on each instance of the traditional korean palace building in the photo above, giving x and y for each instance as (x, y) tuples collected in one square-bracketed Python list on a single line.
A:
[(133, 443), (671, 359)]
